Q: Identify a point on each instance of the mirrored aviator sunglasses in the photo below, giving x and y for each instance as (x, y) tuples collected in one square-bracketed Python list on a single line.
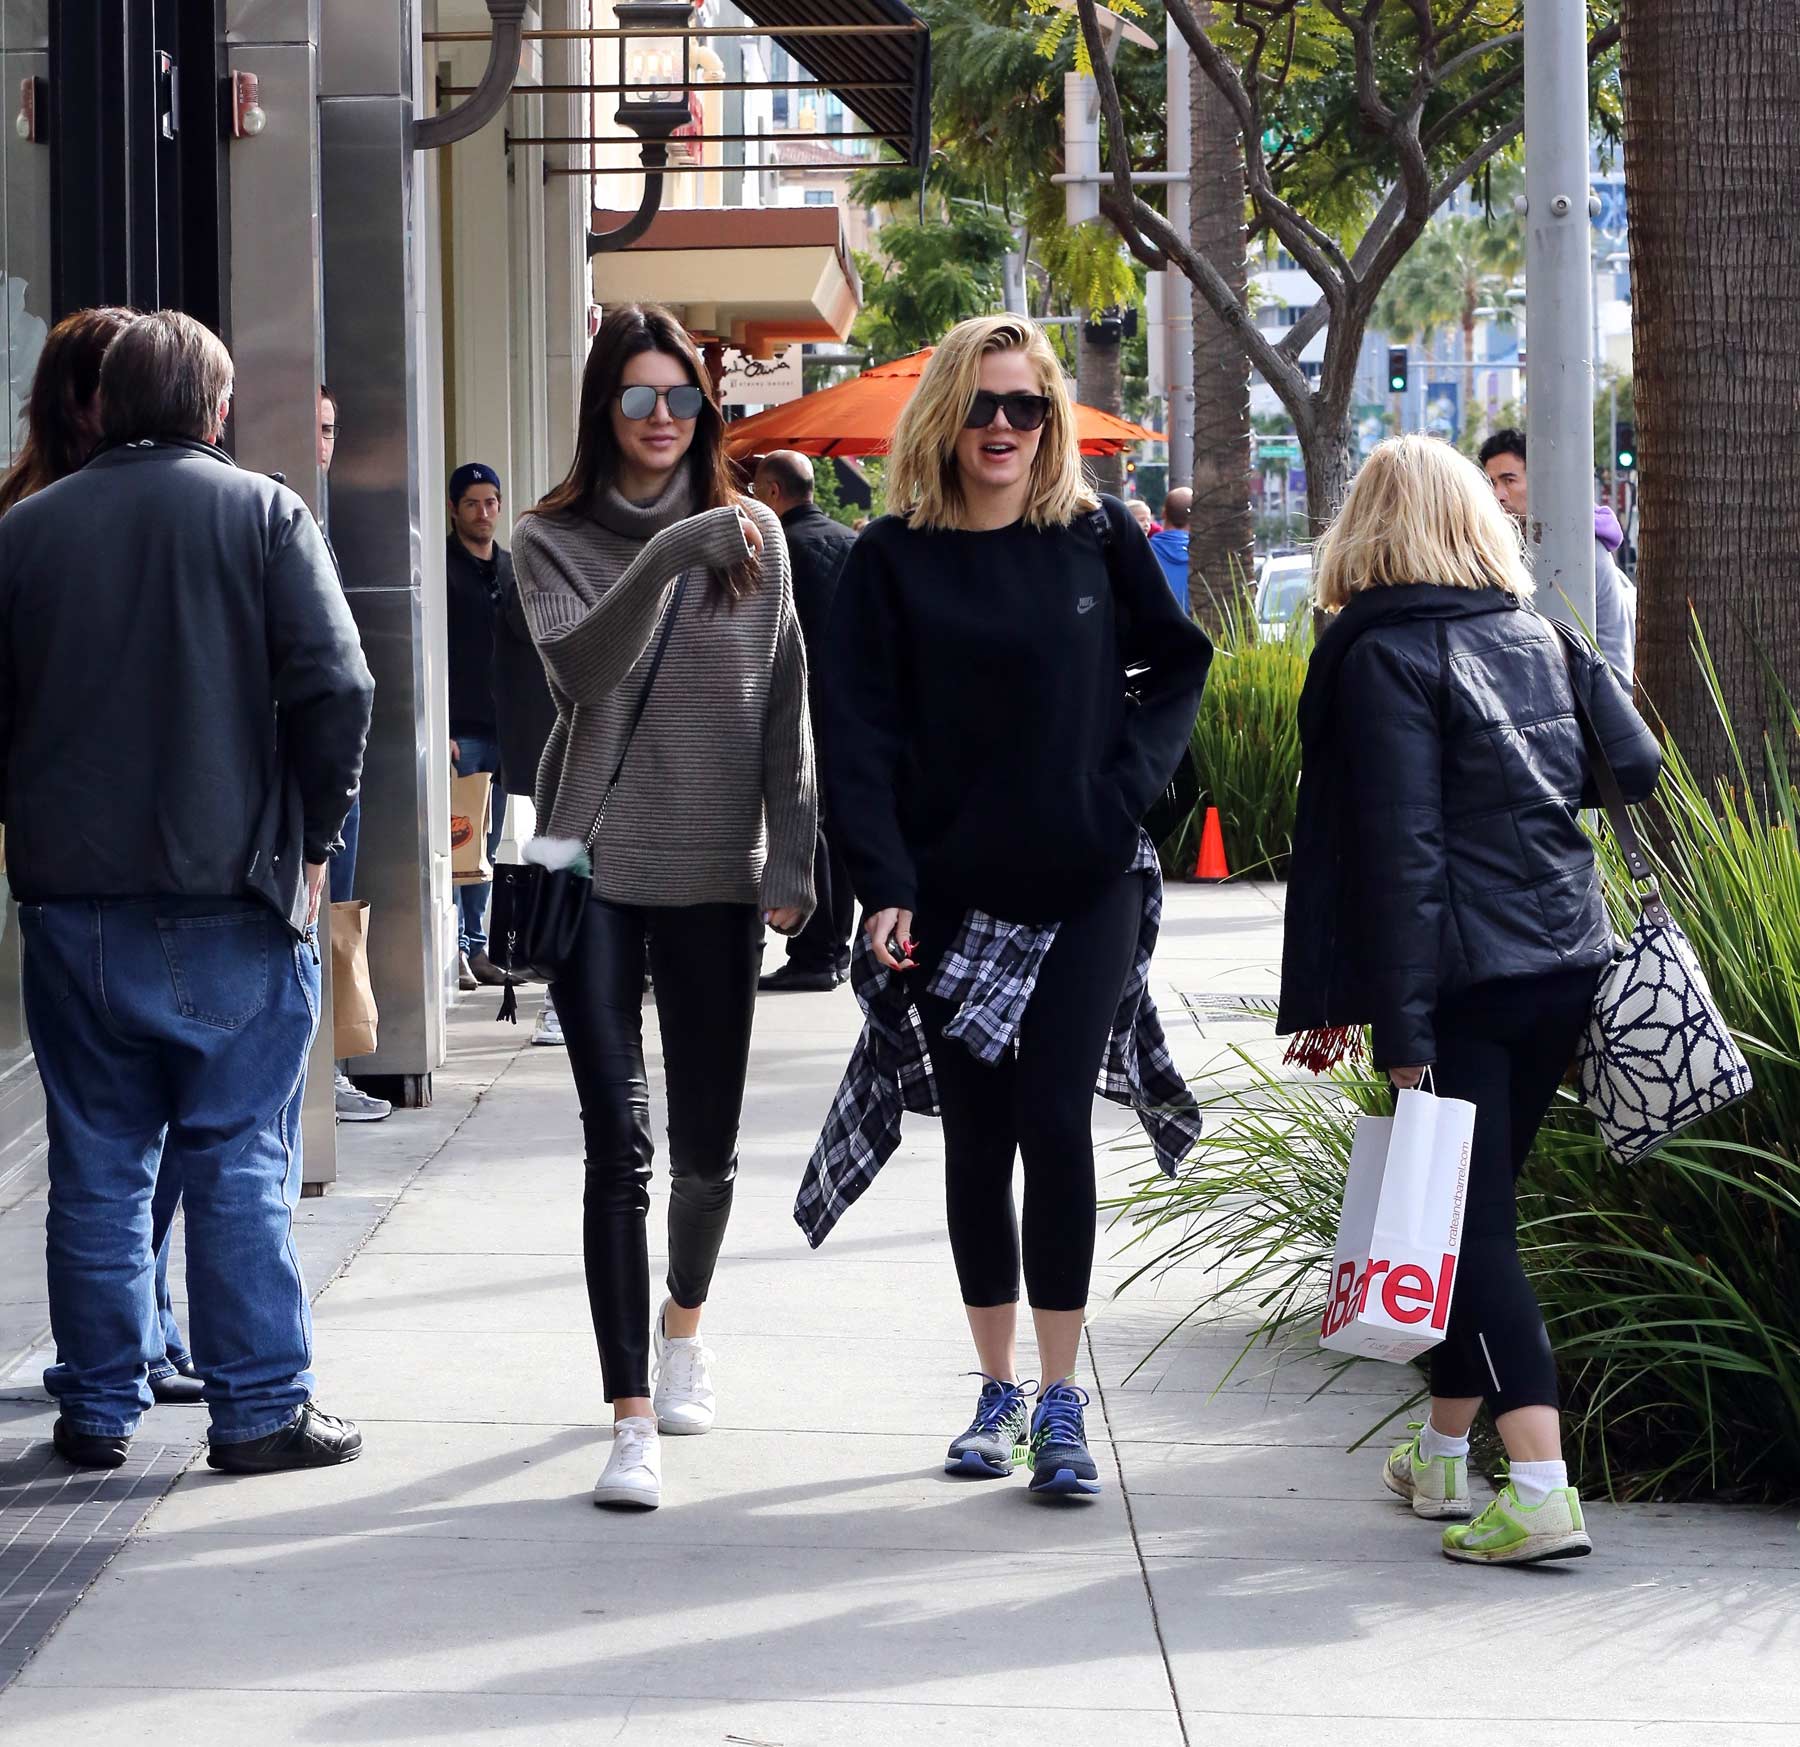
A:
[(639, 401), (1024, 412)]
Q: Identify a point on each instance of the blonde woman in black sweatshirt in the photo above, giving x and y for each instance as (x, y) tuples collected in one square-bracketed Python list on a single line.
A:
[(990, 758)]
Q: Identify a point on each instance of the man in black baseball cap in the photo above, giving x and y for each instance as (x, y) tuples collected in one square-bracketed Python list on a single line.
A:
[(478, 574)]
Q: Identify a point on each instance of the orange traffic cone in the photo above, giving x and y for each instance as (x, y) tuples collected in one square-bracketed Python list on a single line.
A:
[(1211, 865)]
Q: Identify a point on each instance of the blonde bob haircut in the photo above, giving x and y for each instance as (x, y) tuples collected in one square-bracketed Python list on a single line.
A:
[(923, 481), (1419, 512)]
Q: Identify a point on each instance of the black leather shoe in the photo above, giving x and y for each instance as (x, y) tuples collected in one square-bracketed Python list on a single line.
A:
[(487, 972), (791, 979), (185, 1389), (88, 1449), (312, 1440)]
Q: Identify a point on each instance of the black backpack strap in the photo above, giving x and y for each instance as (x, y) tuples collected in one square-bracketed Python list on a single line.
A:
[(1618, 809)]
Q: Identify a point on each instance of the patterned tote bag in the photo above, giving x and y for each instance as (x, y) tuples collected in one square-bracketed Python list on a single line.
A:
[(1658, 1055)]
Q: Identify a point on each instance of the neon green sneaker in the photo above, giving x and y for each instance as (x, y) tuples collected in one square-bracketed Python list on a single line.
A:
[(1510, 1533), (1435, 1489)]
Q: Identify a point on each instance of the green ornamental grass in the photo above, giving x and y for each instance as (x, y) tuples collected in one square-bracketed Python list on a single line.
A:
[(1246, 749)]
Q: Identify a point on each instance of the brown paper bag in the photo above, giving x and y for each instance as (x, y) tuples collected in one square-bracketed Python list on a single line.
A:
[(470, 798), (353, 1015)]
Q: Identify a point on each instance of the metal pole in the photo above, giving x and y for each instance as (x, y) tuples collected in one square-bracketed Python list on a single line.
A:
[(1178, 293), (1559, 366), (1081, 149)]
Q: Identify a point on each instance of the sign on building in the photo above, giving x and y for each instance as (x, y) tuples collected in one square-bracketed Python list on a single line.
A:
[(761, 381)]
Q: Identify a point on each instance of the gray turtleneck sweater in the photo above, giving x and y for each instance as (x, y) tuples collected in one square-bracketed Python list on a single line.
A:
[(716, 803)]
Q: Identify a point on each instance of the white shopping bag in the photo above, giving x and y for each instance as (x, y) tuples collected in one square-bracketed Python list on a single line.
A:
[(1401, 1229)]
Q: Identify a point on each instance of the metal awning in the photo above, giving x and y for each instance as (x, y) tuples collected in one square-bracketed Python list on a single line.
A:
[(875, 54), (903, 117)]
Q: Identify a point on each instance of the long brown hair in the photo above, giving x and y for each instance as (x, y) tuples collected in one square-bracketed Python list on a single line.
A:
[(62, 417), (631, 329)]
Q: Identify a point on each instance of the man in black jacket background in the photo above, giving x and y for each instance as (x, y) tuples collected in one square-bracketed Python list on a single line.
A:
[(478, 573), (818, 957), (525, 713), (183, 709)]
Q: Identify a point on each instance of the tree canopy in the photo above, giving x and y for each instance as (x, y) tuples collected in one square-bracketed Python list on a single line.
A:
[(1357, 122)]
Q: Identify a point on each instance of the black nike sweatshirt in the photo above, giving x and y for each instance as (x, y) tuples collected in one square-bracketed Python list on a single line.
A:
[(986, 746)]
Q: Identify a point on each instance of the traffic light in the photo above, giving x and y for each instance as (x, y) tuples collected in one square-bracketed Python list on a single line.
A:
[(1625, 448), (1397, 369)]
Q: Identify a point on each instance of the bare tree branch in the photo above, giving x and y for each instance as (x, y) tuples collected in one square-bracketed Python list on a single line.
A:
[(1490, 148), (1362, 43), (1318, 253), (1278, 370), (1474, 103), (1386, 216), (1602, 42), (1456, 63)]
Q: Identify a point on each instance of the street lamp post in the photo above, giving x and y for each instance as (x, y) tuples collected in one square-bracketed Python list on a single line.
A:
[(655, 77)]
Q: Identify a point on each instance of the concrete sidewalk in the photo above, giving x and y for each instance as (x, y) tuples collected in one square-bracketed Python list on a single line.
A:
[(814, 1578)]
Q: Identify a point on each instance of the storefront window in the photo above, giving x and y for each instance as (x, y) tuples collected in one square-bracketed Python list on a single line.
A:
[(24, 202), (26, 307)]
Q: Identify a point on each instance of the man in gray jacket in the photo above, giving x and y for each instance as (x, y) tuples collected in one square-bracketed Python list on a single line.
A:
[(1615, 595), (183, 707)]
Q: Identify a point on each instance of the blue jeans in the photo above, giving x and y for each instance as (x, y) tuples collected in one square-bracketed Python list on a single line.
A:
[(162, 1223), (479, 752), (173, 1032), (343, 864), (162, 1229)]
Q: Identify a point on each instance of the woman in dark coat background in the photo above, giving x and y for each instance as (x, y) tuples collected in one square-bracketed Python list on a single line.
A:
[(1445, 894)]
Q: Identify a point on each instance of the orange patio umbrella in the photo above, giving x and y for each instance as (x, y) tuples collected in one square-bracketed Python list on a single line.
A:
[(858, 418)]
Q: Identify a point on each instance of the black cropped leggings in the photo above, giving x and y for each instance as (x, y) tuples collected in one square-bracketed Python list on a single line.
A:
[(1036, 1105), (703, 959), (1504, 1047)]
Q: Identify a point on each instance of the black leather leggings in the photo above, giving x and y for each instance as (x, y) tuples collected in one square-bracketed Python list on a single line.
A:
[(703, 961)]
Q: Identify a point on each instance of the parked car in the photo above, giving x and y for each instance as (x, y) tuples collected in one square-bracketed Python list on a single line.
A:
[(1283, 592)]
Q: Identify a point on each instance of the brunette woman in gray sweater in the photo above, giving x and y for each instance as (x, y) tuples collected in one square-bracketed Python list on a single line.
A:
[(707, 834)]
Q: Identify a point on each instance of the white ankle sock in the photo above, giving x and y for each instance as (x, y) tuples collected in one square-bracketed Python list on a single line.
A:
[(1535, 1481), (1433, 1443)]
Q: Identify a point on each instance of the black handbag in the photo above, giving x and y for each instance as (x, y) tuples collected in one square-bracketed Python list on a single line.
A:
[(1174, 807), (538, 911)]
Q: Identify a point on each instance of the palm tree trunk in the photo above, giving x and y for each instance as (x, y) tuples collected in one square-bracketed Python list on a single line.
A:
[(1712, 109), (1099, 382), (1221, 529)]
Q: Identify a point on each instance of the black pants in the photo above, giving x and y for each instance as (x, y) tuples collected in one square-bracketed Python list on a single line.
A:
[(824, 943), (1038, 1105), (1505, 1048), (704, 960)]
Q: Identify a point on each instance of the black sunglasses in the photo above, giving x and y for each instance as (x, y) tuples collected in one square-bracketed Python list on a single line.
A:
[(639, 401), (1024, 412)]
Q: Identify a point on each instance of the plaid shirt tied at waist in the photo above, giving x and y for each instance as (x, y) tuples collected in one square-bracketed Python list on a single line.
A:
[(988, 975)]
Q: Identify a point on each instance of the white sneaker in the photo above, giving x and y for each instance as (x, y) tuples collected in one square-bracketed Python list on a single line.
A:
[(548, 1032), (633, 1472), (683, 1395)]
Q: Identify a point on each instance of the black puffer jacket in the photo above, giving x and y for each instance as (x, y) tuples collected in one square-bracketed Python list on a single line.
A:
[(1437, 845)]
